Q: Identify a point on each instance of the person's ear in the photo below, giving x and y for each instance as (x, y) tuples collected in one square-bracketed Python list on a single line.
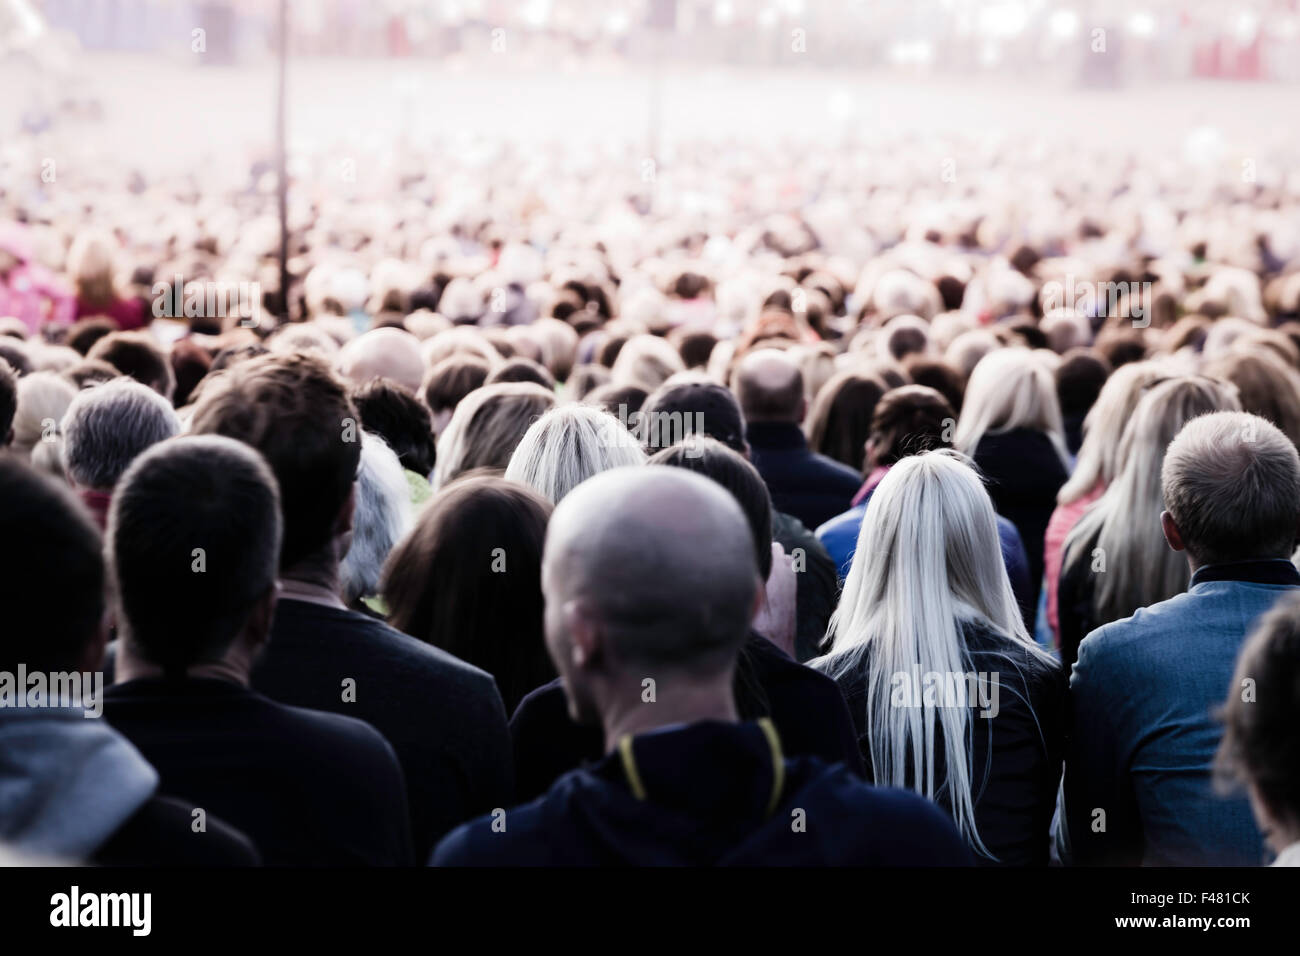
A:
[(343, 523), (585, 639), (258, 629), (1172, 535)]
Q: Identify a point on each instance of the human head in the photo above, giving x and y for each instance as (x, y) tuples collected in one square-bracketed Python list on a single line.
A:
[(519, 369), (391, 411), (647, 361), (106, 427), (840, 420), (137, 355), (568, 445), (388, 353), (297, 413), (468, 580), (680, 407), (647, 572), (8, 403), (51, 575), (450, 381), (487, 426), (194, 536), (1231, 484), (382, 517), (1011, 388), (769, 387), (908, 421), (43, 398)]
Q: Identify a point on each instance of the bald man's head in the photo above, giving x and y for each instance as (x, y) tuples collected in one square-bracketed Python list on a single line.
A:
[(646, 571), (769, 387), (383, 353)]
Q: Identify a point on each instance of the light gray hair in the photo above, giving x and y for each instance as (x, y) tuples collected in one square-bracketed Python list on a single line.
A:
[(1231, 482), (383, 517), (568, 445), (107, 426)]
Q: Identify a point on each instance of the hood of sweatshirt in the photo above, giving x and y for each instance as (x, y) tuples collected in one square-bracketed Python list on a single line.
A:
[(67, 783)]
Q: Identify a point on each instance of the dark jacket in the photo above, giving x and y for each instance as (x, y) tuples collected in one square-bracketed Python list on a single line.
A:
[(1023, 473), (310, 789), (162, 834), (1143, 731), (710, 796), (1015, 755), (806, 707), (1074, 600), (809, 486), (444, 718)]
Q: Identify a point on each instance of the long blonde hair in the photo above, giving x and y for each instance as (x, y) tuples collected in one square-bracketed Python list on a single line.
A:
[(1010, 388), (1124, 523), (1104, 427), (928, 560)]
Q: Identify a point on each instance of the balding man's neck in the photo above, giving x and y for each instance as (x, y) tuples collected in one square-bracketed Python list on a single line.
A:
[(674, 701)]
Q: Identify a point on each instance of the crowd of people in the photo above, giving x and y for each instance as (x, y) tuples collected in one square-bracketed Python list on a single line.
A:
[(851, 514)]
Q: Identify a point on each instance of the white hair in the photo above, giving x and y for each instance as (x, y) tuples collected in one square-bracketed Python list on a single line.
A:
[(108, 425), (928, 560), (568, 445), (383, 517), (646, 360), (1010, 388), (43, 398)]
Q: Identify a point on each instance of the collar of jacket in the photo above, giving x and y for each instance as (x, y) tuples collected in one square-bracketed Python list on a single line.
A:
[(777, 435), (1268, 571)]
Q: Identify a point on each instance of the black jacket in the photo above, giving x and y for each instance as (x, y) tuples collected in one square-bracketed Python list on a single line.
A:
[(444, 718), (1023, 473), (806, 707), (161, 833), (1015, 756), (711, 796), (310, 789), (809, 486)]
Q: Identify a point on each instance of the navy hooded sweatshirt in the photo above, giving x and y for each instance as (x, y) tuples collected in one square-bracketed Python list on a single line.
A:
[(710, 794)]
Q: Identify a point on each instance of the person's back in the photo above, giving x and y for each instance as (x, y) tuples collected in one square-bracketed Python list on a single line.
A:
[(1015, 748), (311, 789), (809, 486), (710, 794), (444, 718), (194, 542), (1144, 690)]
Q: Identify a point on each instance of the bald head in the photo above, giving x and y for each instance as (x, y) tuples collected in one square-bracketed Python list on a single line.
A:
[(383, 353), (658, 563), (769, 386)]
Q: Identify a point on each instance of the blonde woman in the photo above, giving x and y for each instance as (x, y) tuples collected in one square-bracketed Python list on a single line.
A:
[(1011, 426), (1096, 468), (93, 266), (1116, 559), (950, 696), (568, 445)]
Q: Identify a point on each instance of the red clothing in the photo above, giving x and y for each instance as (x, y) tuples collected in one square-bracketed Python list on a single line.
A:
[(127, 313), (1062, 522)]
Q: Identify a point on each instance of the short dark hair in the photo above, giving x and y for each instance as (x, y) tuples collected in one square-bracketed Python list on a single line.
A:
[(443, 584), (519, 369), (8, 401), (51, 572), (717, 410), (452, 379), (940, 375), (193, 543), (612, 398), (90, 372), (1079, 380), (394, 413), (84, 333), (136, 354), (190, 362), (12, 352), (297, 413), (712, 459)]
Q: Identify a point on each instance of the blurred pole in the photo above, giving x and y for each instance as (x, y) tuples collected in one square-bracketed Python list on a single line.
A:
[(281, 161)]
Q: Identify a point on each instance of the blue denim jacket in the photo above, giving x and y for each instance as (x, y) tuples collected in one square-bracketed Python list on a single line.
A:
[(1137, 786)]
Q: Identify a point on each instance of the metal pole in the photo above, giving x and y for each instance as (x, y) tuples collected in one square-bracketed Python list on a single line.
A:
[(281, 162)]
